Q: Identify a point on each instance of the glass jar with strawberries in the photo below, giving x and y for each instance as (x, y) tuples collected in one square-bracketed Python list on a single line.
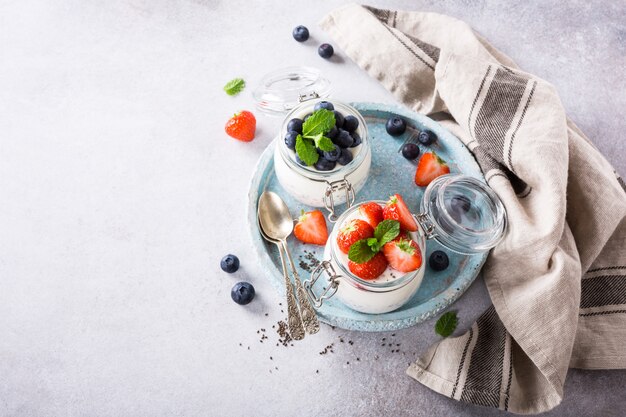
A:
[(374, 258)]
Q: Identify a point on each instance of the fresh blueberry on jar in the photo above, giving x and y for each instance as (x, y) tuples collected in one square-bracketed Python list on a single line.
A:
[(350, 123), (295, 125), (324, 105)]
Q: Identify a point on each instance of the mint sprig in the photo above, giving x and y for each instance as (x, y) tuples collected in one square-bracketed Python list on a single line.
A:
[(306, 150), (235, 86), (321, 121), (365, 249), (360, 252), (446, 324), (313, 130)]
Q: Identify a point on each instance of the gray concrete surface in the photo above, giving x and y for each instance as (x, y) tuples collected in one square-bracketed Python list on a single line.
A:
[(119, 193)]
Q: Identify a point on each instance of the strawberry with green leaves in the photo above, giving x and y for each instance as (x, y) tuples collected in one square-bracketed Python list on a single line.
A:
[(403, 254), (365, 257), (353, 231), (396, 209), (241, 126), (430, 167), (311, 228)]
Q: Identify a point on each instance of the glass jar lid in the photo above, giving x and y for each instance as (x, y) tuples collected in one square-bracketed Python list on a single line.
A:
[(283, 89), (463, 214)]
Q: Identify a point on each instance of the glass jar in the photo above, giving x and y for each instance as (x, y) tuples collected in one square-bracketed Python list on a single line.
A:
[(323, 188), (296, 90), (462, 213)]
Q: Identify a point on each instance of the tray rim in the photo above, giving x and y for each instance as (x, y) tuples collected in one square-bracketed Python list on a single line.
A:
[(266, 162)]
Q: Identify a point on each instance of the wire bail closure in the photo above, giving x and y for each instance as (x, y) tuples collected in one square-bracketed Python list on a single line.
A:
[(308, 96), (329, 200), (427, 226), (333, 279)]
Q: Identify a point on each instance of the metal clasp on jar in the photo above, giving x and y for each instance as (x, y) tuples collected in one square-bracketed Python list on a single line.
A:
[(329, 201), (329, 291), (427, 226), (308, 96)]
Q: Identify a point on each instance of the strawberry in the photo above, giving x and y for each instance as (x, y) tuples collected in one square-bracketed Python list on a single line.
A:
[(354, 231), (241, 126), (370, 269), (396, 209), (430, 167), (311, 228), (403, 255), (372, 212)]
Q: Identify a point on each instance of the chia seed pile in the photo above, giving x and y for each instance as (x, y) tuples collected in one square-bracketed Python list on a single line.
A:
[(283, 338)]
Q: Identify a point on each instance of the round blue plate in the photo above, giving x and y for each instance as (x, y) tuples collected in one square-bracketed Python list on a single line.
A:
[(390, 173)]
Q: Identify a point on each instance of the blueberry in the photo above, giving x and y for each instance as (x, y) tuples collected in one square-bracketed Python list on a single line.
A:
[(438, 261), (333, 155), (324, 164), (290, 139), (338, 119), (300, 33), (395, 126), (300, 161), (426, 137), (343, 139), (410, 151), (325, 50), (242, 293), (350, 123), (356, 139), (332, 133), (324, 105), (295, 125), (229, 263), (345, 158), (306, 117)]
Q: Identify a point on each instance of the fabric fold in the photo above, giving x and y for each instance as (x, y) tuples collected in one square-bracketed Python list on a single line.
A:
[(558, 279)]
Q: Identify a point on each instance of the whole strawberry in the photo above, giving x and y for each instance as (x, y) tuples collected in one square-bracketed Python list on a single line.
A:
[(355, 230), (311, 228), (371, 269), (241, 126)]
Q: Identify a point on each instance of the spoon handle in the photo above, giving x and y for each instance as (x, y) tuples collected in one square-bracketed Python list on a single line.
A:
[(293, 315), (309, 318)]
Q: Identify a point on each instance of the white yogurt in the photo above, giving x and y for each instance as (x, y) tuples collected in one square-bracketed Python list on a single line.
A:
[(308, 185), (388, 292)]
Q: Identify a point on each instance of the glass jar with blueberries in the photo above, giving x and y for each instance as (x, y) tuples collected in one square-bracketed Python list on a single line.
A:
[(324, 161)]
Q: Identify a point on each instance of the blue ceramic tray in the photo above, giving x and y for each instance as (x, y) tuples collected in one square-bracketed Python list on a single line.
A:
[(390, 173)]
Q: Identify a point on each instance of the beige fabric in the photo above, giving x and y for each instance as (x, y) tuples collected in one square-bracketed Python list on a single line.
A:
[(558, 279)]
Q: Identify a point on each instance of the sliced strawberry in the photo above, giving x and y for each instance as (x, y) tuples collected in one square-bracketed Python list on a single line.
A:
[(403, 255), (371, 269), (241, 126), (372, 213), (430, 167), (353, 231), (311, 228), (396, 209)]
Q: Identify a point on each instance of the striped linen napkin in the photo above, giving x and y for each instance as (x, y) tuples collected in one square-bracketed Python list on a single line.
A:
[(558, 279)]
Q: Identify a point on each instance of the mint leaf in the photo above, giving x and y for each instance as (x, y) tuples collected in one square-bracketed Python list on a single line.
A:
[(446, 324), (234, 86), (324, 143), (386, 231), (321, 121), (360, 252), (372, 242), (306, 150)]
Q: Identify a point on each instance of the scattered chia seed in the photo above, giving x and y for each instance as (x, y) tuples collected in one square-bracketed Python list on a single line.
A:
[(308, 262)]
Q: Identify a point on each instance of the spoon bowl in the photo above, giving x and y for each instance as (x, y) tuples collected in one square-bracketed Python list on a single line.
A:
[(274, 216)]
